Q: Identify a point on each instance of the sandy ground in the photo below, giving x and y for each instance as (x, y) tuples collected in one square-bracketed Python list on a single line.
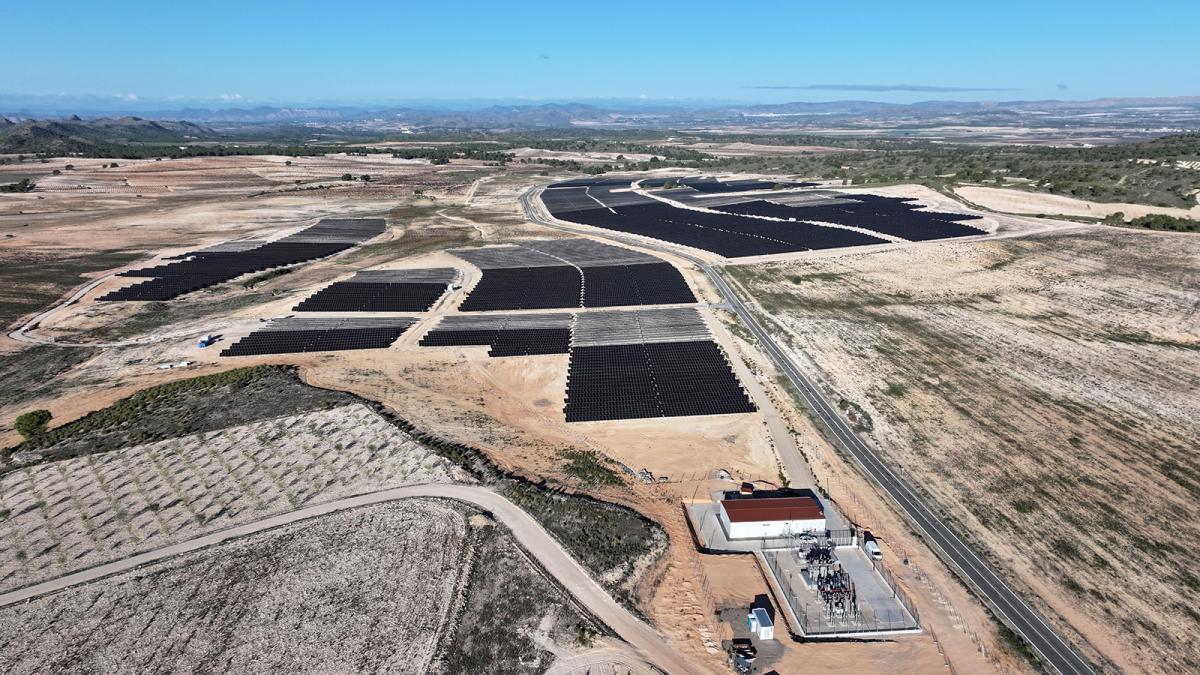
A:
[(1042, 388), (1020, 201)]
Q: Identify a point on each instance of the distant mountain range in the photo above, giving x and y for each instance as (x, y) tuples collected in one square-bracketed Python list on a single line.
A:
[(1086, 122), (75, 135), (652, 115)]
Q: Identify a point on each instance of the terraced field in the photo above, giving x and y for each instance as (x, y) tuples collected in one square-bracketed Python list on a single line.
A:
[(73, 513)]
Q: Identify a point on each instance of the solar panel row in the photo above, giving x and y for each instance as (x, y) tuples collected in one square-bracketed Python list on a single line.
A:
[(714, 186), (504, 342), (352, 296), (297, 341), (621, 285), (895, 217), (525, 288), (663, 379), (733, 234), (207, 267), (563, 286)]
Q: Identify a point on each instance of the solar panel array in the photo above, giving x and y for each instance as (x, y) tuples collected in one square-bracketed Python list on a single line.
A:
[(289, 336), (525, 288), (557, 274), (714, 186), (382, 291), (648, 363), (511, 335), (204, 268), (655, 379), (887, 215), (622, 285), (756, 227)]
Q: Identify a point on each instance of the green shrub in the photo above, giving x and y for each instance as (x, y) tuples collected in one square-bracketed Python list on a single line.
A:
[(589, 467), (32, 423)]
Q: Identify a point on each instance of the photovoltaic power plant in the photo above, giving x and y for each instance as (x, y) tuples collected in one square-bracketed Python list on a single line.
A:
[(564, 273), (410, 290), (298, 335), (714, 186), (740, 225), (648, 363), (218, 264), (505, 335)]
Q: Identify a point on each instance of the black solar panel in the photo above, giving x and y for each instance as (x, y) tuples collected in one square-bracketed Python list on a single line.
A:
[(668, 379), (296, 341), (886, 215), (504, 342), (589, 182), (352, 296), (202, 269), (647, 284), (733, 234), (525, 288)]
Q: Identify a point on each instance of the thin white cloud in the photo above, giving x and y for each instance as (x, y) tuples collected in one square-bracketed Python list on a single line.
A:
[(874, 87)]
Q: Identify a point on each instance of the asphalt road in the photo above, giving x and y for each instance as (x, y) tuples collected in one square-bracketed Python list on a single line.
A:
[(1004, 602), (646, 642)]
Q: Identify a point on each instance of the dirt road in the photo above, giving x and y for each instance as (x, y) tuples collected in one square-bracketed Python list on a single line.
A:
[(648, 644)]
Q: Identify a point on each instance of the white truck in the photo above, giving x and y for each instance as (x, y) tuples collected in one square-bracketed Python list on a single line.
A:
[(871, 546)]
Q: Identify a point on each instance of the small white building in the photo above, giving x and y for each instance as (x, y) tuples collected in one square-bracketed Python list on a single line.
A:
[(771, 517), (759, 623)]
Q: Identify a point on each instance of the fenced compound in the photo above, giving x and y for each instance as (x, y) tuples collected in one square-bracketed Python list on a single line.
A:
[(838, 592)]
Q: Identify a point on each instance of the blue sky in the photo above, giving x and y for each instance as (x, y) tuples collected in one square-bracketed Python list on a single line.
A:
[(368, 52)]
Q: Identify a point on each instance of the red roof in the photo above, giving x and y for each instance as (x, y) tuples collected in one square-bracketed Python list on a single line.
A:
[(772, 509)]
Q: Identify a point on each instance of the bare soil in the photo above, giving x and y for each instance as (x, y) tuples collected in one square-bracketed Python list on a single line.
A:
[(1042, 391)]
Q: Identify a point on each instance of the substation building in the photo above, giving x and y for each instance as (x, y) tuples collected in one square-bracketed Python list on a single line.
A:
[(770, 514)]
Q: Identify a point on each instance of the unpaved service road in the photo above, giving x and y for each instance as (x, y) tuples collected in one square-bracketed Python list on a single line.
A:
[(648, 644)]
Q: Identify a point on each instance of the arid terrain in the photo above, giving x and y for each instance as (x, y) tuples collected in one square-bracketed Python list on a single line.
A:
[(413, 587), (509, 408), (1042, 391), (1018, 201), (1064, 349)]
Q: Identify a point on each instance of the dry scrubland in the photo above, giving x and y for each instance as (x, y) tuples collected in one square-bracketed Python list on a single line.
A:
[(1043, 391), (412, 587), (92, 218), (177, 460)]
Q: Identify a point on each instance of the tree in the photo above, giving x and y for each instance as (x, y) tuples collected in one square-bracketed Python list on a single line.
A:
[(56, 172), (69, 167), (288, 163), (32, 423), (365, 178), (347, 176)]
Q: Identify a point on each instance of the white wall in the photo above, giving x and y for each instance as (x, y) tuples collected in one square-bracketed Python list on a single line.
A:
[(771, 529)]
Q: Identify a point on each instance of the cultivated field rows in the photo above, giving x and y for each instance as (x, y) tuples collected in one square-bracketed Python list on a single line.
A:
[(65, 515), (368, 590)]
